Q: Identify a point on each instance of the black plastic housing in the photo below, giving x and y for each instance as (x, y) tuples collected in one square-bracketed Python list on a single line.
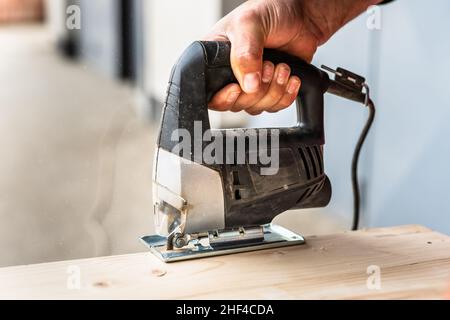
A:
[(251, 198)]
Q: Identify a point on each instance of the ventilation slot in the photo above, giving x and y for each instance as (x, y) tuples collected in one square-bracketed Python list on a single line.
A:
[(320, 186), (317, 188), (305, 163), (313, 162), (235, 159), (236, 180), (319, 159), (303, 196), (311, 192)]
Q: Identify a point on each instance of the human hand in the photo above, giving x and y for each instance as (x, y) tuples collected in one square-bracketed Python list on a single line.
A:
[(294, 26)]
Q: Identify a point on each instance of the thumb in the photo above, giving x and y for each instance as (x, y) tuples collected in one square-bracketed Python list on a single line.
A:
[(247, 46)]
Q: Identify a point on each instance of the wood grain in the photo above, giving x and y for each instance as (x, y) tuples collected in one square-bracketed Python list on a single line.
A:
[(414, 263)]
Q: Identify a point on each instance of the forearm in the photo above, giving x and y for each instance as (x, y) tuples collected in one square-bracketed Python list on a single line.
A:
[(328, 16)]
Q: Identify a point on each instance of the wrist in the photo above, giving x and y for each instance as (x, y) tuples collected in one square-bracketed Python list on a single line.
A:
[(326, 17)]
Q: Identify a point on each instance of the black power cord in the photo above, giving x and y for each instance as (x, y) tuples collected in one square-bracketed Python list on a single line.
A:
[(355, 183), (349, 85)]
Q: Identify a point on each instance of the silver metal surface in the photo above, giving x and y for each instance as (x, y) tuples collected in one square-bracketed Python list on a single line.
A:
[(193, 189), (274, 237), (236, 236)]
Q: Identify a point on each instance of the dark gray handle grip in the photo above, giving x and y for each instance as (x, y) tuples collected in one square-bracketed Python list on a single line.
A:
[(204, 68), (314, 81)]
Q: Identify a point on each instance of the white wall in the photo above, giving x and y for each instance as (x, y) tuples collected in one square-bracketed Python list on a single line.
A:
[(170, 26), (411, 152)]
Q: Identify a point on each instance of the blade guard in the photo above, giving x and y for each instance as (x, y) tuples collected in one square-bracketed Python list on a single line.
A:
[(250, 198)]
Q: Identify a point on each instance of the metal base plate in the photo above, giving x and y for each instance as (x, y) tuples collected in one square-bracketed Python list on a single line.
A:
[(274, 237)]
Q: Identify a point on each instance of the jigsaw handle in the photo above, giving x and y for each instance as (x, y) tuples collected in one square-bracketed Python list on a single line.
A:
[(204, 68), (310, 98)]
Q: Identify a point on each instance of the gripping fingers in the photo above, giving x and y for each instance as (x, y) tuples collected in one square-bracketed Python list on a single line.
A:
[(276, 91), (248, 100), (289, 95), (225, 99)]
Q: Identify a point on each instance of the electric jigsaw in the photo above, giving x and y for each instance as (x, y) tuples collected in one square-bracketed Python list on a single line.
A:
[(214, 191)]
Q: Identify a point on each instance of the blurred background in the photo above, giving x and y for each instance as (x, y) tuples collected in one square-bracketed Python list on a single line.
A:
[(81, 90)]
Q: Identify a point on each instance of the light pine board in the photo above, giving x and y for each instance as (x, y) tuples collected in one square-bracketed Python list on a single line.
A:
[(414, 263)]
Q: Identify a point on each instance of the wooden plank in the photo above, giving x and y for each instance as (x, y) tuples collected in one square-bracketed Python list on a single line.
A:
[(414, 263)]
